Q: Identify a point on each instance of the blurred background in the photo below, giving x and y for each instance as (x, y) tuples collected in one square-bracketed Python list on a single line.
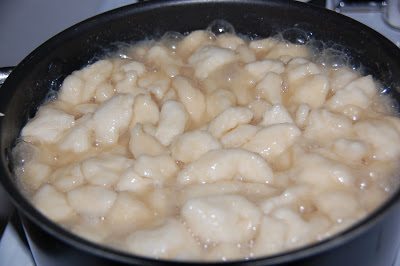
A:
[(25, 24)]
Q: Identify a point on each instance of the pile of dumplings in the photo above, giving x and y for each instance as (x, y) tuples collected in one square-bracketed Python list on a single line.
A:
[(211, 148)]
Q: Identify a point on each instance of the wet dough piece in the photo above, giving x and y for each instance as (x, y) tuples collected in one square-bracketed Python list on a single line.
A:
[(222, 219)]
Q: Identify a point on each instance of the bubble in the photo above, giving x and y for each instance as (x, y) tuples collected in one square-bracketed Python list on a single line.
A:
[(356, 66), (221, 26), (330, 54), (317, 46), (171, 39), (296, 36), (334, 58)]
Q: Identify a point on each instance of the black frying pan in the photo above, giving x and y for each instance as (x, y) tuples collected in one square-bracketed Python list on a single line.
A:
[(371, 242)]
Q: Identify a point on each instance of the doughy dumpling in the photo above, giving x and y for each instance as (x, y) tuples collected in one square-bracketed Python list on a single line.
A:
[(288, 196), (92, 201), (239, 136), (312, 92), (192, 98), (85, 108), (250, 190), (263, 45), (171, 95), (81, 86), (276, 114), (68, 177), (145, 110), (350, 150), (258, 107), (272, 141), (189, 146), (170, 240), (270, 88), (136, 66), (78, 139), (161, 57), (218, 101), (159, 168), (143, 143), (339, 205), (208, 58), (131, 181), (52, 203), (288, 49), (47, 126), (323, 125), (222, 219), (300, 68), (359, 93), (173, 119), (193, 41), (229, 119), (302, 112), (382, 136), (104, 170), (35, 174), (104, 92), (226, 164), (319, 171), (245, 54), (229, 41), (156, 83), (299, 231), (93, 230), (112, 118), (128, 213), (341, 77), (71, 89), (271, 238), (260, 68)]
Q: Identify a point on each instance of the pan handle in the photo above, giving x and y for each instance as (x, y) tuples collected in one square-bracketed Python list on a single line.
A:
[(4, 73)]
